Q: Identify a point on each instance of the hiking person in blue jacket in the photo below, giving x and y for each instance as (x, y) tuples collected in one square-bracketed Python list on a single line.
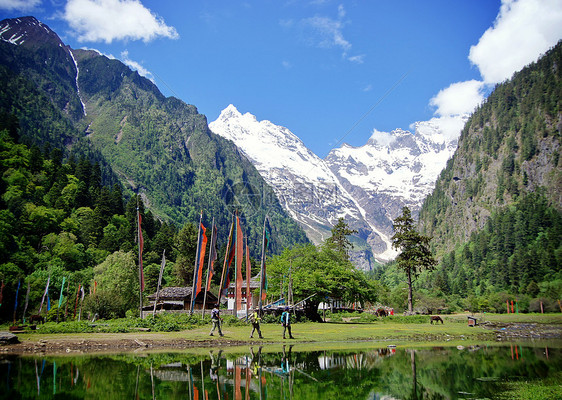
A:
[(286, 322)]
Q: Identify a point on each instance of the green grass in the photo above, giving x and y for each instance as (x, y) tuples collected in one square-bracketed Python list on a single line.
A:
[(398, 330)]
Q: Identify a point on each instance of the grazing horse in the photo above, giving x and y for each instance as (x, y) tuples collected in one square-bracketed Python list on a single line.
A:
[(381, 312), (36, 318), (435, 318)]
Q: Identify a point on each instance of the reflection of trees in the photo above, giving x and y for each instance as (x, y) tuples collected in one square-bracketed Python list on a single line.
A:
[(423, 373)]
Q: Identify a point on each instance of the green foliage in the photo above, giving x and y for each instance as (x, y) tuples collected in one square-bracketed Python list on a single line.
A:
[(318, 271), (338, 241)]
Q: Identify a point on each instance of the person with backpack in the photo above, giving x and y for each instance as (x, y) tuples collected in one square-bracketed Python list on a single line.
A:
[(255, 320), (286, 322), (216, 320)]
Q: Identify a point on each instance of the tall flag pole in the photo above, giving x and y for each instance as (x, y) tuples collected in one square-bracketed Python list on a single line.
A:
[(263, 277), (199, 257), (228, 257), (141, 247), (212, 258), (239, 259), (162, 265), (248, 277)]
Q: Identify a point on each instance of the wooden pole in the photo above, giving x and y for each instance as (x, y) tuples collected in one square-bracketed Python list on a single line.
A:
[(159, 282), (225, 263)]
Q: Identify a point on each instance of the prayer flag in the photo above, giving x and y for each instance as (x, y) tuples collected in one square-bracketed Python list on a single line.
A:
[(45, 293), (200, 261), (239, 258), (141, 247), (62, 291), (212, 256)]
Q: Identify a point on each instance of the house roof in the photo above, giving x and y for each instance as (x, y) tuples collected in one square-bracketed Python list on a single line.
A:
[(179, 293), (254, 282)]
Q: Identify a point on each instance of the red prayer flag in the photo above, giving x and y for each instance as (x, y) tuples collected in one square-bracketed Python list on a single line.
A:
[(239, 252), (200, 262), (248, 277), (212, 256)]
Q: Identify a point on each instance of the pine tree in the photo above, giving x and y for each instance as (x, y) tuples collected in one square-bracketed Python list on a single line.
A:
[(416, 255)]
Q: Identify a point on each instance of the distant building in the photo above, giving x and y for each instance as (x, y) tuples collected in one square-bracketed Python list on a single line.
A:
[(179, 298)]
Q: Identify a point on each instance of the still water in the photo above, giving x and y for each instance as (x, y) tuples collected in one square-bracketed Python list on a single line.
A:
[(260, 373)]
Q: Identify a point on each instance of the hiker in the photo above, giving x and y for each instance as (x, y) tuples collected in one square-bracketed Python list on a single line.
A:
[(255, 319), (286, 321), (216, 320)]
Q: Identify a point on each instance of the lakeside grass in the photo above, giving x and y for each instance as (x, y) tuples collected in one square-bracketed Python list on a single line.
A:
[(455, 330)]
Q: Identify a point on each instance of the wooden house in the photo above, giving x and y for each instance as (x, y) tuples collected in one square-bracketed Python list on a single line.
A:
[(179, 298)]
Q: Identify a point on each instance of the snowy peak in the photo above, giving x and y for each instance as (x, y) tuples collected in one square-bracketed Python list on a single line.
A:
[(28, 31), (367, 185)]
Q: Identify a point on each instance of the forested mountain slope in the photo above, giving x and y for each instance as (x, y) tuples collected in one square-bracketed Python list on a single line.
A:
[(161, 148), (495, 214)]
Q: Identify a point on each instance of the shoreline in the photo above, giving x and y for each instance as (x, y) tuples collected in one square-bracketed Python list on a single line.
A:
[(309, 334)]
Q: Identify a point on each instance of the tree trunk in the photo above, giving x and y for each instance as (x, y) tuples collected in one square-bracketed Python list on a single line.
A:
[(410, 299)]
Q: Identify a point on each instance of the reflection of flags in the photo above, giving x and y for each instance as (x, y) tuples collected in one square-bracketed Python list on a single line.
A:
[(201, 252), (141, 247), (212, 256), (239, 258), (45, 293)]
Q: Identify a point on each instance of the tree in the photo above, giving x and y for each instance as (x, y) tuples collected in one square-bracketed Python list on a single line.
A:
[(339, 241), (317, 271), (415, 254)]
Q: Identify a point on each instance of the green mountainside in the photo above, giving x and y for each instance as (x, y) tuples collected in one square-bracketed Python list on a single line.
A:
[(495, 214), (158, 147)]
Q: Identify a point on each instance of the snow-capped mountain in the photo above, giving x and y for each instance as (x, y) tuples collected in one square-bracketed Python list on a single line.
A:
[(367, 185)]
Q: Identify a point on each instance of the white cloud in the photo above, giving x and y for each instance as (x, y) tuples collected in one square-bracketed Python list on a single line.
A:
[(286, 64), (136, 66), (360, 59), (21, 5), (523, 30), (459, 98), (108, 20), (327, 32), (368, 88), (383, 139)]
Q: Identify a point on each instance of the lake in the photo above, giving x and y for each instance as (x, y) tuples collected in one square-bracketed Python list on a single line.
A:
[(275, 372)]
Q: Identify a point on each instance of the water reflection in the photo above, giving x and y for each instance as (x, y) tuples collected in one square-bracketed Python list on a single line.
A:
[(259, 373)]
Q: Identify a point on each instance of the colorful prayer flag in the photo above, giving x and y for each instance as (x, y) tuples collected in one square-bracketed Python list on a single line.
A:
[(239, 258), (200, 261), (212, 256), (141, 247)]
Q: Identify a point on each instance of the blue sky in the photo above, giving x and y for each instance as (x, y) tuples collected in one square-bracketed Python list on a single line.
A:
[(330, 71)]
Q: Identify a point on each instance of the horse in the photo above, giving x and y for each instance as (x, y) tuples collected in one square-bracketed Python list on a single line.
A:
[(435, 318), (381, 312), (36, 318)]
